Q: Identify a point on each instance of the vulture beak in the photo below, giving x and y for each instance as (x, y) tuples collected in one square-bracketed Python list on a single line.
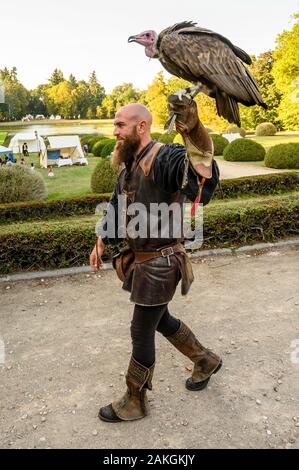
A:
[(132, 39)]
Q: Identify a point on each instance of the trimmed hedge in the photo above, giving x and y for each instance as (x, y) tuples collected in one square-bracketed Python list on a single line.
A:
[(236, 130), (283, 156), (277, 183), (108, 148), (255, 220), (98, 146), (18, 183), (167, 138), (265, 129), (220, 143), (103, 177), (244, 150), (68, 243), (43, 210), (156, 135)]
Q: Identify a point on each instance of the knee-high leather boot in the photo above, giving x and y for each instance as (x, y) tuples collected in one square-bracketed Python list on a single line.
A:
[(134, 404), (205, 361)]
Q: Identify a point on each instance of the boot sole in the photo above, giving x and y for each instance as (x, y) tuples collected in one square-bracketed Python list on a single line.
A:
[(201, 385), (107, 420)]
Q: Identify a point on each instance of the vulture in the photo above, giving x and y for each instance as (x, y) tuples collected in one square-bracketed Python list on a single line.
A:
[(208, 60)]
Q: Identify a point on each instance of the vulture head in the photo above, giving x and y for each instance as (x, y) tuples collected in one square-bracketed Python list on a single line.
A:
[(148, 39)]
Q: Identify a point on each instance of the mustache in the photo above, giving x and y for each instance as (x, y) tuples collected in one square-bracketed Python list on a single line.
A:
[(124, 150)]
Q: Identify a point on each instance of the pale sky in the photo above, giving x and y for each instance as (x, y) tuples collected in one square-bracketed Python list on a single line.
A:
[(38, 36)]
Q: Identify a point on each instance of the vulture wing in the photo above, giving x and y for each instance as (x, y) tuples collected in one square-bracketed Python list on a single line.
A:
[(199, 55), (189, 27)]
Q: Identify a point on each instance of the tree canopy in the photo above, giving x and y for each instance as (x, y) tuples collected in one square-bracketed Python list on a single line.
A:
[(276, 73)]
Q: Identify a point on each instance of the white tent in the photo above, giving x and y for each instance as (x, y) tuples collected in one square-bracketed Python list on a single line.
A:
[(34, 142), (70, 150), (5, 150)]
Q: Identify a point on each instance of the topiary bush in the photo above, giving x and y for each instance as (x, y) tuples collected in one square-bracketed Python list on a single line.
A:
[(220, 143), (244, 150), (97, 140), (85, 138), (266, 128), (108, 148), (236, 130), (283, 156), (167, 138), (20, 184), (98, 147), (156, 135), (103, 177), (91, 139), (36, 246)]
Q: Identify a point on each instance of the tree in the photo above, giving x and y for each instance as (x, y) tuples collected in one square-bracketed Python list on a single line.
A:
[(81, 98), (261, 69), (97, 93), (56, 78), (124, 94), (156, 98), (73, 81), (286, 74), (37, 101), (120, 96), (59, 99), (108, 107), (16, 95)]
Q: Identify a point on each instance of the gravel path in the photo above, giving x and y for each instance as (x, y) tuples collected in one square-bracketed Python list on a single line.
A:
[(67, 347), (237, 170)]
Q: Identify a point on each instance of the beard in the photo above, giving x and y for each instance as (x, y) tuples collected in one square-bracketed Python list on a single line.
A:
[(125, 148)]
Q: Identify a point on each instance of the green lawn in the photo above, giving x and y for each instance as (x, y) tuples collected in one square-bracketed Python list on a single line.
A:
[(282, 138), (2, 137), (75, 180), (68, 180)]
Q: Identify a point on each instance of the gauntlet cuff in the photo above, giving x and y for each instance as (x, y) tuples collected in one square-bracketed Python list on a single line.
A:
[(200, 150)]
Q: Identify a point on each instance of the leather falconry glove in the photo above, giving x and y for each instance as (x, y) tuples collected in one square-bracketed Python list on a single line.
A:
[(199, 145)]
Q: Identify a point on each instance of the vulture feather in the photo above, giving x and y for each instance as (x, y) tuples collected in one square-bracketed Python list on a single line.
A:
[(204, 57)]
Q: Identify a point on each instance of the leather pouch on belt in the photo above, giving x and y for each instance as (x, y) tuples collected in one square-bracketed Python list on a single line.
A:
[(123, 262)]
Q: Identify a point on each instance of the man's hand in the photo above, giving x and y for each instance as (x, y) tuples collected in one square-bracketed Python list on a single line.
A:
[(95, 259), (186, 111)]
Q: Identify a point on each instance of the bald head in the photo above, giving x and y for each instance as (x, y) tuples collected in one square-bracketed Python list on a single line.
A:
[(132, 126), (135, 112)]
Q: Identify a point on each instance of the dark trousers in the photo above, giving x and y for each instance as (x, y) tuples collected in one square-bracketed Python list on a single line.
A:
[(146, 321)]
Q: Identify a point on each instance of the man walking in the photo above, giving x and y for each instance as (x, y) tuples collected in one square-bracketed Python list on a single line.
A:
[(151, 173)]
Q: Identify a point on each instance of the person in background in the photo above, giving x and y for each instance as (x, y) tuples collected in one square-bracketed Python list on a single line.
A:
[(50, 171), (25, 150), (32, 167), (22, 161)]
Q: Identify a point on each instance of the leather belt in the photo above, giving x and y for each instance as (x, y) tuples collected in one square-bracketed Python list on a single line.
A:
[(142, 256)]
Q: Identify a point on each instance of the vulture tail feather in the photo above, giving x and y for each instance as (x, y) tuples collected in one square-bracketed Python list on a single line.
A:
[(227, 107)]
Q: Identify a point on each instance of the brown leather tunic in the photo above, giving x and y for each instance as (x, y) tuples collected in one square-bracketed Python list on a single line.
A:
[(153, 282)]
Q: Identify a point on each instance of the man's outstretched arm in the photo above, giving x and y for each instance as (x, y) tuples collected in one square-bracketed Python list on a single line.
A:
[(183, 168)]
